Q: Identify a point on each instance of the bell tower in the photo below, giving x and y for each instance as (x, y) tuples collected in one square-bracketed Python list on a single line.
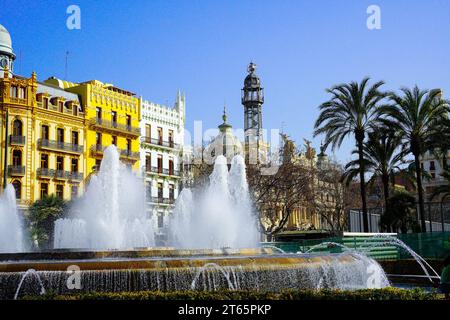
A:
[(252, 98), (7, 55)]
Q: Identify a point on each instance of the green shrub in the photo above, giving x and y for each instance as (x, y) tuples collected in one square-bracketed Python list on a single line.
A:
[(365, 294)]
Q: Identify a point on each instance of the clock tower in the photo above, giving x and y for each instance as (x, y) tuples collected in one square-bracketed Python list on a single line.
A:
[(7, 55), (252, 98)]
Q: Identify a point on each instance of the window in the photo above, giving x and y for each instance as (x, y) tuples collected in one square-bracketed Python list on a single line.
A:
[(17, 127), (160, 190), (432, 167), (74, 192), (74, 165), (44, 161), (98, 139), (98, 114), (60, 191), (44, 190), (17, 158), (14, 91), (160, 135), (148, 131), (148, 163), (433, 175), (21, 93), (59, 163), (128, 145), (60, 135), (148, 191), (98, 162), (171, 167), (114, 140), (75, 137), (45, 103), (128, 121), (160, 163), (171, 192), (114, 118), (160, 220), (60, 106), (171, 138), (74, 110), (44, 132), (18, 188)]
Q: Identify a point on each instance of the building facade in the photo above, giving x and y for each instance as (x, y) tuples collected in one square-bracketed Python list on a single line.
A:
[(433, 167), (162, 138), (111, 116), (42, 134)]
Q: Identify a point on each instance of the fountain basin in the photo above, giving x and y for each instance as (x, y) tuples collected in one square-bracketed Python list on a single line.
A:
[(172, 270)]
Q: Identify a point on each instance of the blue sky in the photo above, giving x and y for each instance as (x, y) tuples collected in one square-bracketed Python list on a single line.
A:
[(203, 47)]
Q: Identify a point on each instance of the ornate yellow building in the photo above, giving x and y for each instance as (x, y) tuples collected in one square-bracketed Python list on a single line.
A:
[(42, 138), (111, 117)]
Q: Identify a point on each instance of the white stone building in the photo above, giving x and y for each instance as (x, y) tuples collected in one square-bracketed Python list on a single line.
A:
[(162, 137)]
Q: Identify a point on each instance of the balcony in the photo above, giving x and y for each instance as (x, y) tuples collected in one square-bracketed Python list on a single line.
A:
[(59, 174), (161, 200), (98, 150), (160, 143), (162, 171), (17, 140), (60, 146), (129, 154), (114, 127), (16, 171)]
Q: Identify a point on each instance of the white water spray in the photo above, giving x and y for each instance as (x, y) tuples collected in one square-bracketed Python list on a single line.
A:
[(11, 237), (111, 214), (220, 216)]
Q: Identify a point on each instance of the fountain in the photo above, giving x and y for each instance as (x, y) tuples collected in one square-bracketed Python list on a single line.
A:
[(108, 236), (11, 237), (111, 214), (220, 216)]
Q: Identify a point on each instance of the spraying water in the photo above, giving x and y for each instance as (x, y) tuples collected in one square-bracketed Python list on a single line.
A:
[(111, 214), (11, 238), (219, 216)]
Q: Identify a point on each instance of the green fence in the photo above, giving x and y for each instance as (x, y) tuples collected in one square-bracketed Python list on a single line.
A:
[(429, 245)]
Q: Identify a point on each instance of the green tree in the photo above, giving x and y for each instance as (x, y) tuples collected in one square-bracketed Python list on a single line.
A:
[(43, 214), (401, 212), (381, 157), (350, 112), (413, 114)]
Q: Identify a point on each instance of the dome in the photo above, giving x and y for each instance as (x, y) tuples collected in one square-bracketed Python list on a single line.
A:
[(252, 80), (5, 41)]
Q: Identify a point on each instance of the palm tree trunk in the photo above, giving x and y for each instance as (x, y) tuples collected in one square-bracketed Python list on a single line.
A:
[(385, 180), (420, 192), (362, 184)]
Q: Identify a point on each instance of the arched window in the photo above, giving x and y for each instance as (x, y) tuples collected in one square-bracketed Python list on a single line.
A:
[(17, 158), (17, 127), (18, 187)]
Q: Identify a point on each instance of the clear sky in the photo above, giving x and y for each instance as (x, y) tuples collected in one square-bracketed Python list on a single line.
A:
[(203, 47)]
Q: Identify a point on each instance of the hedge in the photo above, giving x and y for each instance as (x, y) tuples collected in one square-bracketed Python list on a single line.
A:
[(365, 294)]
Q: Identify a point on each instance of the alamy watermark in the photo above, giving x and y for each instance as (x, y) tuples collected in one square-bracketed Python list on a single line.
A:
[(73, 21), (373, 21)]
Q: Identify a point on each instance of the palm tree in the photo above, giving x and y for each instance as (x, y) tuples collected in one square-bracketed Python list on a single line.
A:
[(381, 157), (350, 112), (413, 115)]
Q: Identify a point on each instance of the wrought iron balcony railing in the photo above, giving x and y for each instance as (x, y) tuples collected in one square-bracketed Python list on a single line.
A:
[(99, 149), (160, 142), (113, 125), (62, 146), (59, 174), (161, 200), (14, 170), (17, 140), (159, 170)]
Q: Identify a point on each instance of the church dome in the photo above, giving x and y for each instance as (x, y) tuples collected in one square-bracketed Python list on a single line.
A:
[(5, 41)]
